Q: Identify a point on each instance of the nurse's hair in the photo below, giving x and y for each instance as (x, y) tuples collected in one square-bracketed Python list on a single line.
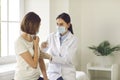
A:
[(67, 19), (30, 23)]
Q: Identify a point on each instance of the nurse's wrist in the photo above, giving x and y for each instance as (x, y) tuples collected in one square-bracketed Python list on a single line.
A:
[(50, 58)]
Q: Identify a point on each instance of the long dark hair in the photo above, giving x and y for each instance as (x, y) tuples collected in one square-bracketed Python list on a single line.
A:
[(67, 19)]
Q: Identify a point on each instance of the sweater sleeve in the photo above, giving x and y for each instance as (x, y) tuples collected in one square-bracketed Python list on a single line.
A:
[(20, 47)]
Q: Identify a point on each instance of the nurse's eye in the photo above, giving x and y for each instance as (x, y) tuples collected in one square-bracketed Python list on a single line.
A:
[(61, 24)]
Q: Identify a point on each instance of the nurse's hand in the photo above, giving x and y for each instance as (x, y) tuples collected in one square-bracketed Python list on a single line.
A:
[(44, 45), (46, 56)]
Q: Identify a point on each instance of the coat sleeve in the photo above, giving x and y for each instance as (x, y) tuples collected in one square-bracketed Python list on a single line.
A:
[(69, 52)]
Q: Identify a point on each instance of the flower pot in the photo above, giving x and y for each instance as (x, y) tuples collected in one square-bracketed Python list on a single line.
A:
[(104, 61)]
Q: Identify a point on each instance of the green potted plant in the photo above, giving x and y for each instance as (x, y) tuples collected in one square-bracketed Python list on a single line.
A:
[(103, 53), (104, 49)]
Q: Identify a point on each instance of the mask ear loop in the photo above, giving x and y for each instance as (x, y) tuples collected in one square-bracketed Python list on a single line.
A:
[(33, 37)]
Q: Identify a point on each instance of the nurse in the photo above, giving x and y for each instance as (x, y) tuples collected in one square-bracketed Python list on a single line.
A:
[(60, 48), (27, 50)]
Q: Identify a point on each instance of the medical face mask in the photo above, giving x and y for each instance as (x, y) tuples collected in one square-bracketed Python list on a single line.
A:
[(61, 29)]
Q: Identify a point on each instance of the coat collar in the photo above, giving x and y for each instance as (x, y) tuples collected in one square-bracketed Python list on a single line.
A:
[(57, 39), (68, 36)]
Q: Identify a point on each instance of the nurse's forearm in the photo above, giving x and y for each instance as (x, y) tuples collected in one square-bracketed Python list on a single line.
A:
[(59, 60), (55, 59), (45, 55)]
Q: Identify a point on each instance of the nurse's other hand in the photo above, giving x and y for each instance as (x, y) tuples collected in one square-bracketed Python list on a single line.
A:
[(46, 56), (44, 45)]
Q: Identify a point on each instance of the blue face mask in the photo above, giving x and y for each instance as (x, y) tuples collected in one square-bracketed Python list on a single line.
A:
[(61, 29)]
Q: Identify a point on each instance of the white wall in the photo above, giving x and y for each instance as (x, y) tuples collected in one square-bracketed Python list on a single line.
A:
[(75, 13), (41, 7)]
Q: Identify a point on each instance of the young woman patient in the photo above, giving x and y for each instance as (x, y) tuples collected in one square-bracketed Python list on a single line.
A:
[(27, 50)]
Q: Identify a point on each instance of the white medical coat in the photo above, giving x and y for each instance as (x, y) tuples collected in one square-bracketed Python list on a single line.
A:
[(62, 56)]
